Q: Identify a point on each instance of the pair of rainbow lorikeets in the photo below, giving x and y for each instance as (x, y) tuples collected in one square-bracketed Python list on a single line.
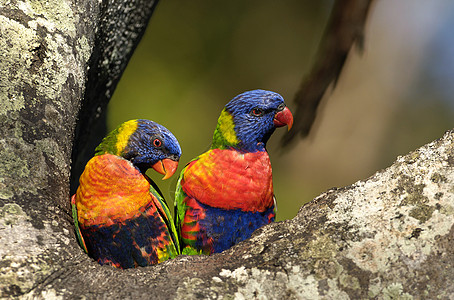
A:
[(222, 195)]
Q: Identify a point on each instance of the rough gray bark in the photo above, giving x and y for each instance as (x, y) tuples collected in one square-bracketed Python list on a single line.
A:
[(386, 237), (57, 58)]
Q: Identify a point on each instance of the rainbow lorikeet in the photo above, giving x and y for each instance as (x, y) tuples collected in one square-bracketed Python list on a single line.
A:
[(120, 215), (226, 193)]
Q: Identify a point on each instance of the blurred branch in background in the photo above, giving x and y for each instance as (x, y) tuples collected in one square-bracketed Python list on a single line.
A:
[(344, 30)]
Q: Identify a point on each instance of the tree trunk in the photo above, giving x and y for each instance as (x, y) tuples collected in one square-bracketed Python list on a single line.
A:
[(389, 236), (60, 62)]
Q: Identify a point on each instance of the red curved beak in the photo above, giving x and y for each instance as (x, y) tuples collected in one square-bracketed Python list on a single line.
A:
[(283, 117), (167, 167)]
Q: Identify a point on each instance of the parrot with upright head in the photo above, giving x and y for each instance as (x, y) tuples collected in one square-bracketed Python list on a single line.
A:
[(226, 193), (120, 215)]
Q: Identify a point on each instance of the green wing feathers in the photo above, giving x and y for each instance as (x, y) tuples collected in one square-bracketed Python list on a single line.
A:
[(164, 211), (76, 224)]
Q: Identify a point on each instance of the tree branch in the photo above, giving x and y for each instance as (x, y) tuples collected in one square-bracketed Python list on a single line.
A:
[(345, 29)]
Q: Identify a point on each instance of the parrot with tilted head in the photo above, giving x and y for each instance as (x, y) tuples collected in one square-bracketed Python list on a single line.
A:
[(226, 193), (120, 215)]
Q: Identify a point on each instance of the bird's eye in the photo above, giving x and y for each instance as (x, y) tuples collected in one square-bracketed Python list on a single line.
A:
[(281, 107), (257, 112), (157, 143)]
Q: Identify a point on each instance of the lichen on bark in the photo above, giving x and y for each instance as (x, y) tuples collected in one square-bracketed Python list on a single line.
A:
[(47, 49)]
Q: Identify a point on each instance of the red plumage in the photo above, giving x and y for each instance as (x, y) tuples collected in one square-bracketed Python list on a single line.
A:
[(230, 179)]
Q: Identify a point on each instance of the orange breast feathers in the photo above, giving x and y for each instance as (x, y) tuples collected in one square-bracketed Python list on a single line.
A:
[(229, 179), (111, 189)]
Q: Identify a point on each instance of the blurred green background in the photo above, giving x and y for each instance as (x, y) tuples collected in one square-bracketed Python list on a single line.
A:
[(196, 56)]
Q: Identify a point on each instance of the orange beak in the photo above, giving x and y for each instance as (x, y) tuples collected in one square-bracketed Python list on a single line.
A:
[(167, 167), (283, 117)]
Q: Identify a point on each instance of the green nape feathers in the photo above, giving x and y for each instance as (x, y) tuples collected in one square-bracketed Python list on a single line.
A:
[(224, 135), (117, 140)]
